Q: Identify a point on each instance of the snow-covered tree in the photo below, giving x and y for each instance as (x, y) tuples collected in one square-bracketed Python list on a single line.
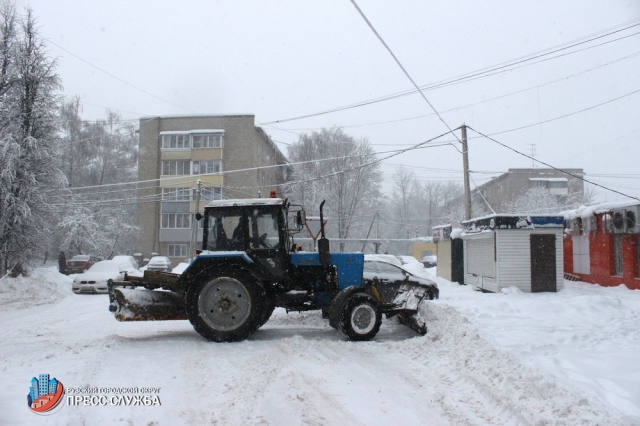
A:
[(339, 169), (100, 214), (30, 178), (535, 200)]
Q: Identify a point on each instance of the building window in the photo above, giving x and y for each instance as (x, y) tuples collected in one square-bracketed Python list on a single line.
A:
[(175, 141), (211, 193), (175, 167), (177, 250), (175, 194), (207, 141), (176, 220), (617, 255), (207, 166)]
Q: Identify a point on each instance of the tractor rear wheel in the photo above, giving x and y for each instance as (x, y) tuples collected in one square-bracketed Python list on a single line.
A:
[(226, 308), (360, 317)]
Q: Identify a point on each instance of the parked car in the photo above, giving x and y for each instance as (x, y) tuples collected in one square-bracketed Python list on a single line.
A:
[(123, 257), (159, 263), (389, 258), (80, 263), (378, 268), (407, 260), (96, 278), (430, 261)]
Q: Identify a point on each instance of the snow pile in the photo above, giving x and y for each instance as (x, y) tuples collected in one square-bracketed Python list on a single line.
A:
[(585, 335), (44, 285), (496, 379), (513, 358)]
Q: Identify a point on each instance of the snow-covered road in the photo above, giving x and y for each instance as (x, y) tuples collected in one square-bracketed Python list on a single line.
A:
[(477, 365)]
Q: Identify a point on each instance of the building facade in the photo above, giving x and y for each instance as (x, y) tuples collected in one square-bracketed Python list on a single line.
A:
[(506, 188), (602, 244), (227, 154)]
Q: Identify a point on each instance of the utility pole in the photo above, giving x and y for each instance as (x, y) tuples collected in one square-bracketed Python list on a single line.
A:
[(194, 233), (465, 166)]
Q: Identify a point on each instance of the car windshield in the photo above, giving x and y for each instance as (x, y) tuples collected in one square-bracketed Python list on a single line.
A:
[(80, 257)]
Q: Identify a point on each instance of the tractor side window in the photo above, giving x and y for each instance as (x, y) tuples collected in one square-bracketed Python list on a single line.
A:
[(264, 230)]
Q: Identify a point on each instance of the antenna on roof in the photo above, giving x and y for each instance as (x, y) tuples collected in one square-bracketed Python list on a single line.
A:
[(533, 154)]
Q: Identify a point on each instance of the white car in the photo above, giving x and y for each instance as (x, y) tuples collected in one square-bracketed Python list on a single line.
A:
[(95, 279), (159, 263), (389, 258), (123, 257)]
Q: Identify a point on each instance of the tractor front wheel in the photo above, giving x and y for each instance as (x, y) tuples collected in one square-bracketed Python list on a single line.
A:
[(360, 317), (226, 308)]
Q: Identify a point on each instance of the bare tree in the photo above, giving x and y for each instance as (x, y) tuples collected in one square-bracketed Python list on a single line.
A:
[(405, 187), (339, 169)]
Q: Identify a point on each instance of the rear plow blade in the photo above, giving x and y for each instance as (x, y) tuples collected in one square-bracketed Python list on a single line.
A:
[(145, 305)]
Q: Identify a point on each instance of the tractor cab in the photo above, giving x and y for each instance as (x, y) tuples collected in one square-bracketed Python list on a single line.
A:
[(257, 227)]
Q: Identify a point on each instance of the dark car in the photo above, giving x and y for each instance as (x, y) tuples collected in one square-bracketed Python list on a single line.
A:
[(80, 263), (379, 268)]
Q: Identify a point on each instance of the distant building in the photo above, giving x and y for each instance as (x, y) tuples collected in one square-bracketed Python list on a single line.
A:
[(230, 155), (506, 188)]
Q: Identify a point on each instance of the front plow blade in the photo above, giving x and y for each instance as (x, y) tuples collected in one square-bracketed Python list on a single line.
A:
[(145, 305)]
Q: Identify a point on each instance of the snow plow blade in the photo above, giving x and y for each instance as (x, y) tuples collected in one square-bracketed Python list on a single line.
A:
[(405, 303), (145, 305)]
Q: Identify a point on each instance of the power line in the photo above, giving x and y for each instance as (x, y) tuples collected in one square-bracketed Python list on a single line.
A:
[(479, 102), (552, 167), (471, 75), (119, 79), (402, 67)]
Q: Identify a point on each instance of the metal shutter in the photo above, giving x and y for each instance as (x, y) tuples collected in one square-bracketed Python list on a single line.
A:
[(481, 257)]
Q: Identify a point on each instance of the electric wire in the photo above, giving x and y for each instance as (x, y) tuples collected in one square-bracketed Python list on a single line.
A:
[(552, 167), (118, 78), (460, 78)]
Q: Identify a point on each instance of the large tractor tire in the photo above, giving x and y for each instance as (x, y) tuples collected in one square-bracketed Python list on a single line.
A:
[(360, 317), (226, 308), (335, 308), (270, 306)]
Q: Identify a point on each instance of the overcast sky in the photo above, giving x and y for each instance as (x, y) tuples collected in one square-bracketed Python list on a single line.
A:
[(286, 59)]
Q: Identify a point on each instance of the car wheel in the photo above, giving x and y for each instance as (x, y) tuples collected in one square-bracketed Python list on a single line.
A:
[(360, 317), (226, 308)]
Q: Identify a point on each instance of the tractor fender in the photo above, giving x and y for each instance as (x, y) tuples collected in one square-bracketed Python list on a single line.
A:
[(338, 301), (212, 265)]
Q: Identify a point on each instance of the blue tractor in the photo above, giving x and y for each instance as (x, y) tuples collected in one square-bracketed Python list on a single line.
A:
[(249, 265)]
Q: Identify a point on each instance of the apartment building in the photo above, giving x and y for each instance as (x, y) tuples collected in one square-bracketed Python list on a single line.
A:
[(502, 190), (228, 154)]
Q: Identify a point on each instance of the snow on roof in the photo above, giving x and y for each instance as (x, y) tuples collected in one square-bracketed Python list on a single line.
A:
[(191, 132), (151, 117), (246, 202), (587, 211), (456, 233), (513, 221)]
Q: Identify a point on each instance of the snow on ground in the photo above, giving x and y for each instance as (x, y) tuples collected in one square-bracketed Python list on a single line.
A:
[(489, 359)]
